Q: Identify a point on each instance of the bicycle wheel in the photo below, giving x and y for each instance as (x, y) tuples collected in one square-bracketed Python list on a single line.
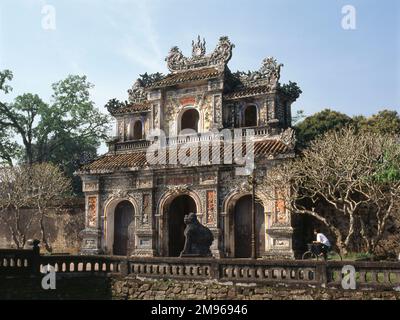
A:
[(308, 255)]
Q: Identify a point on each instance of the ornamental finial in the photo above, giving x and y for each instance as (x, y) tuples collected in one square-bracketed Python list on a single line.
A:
[(199, 48)]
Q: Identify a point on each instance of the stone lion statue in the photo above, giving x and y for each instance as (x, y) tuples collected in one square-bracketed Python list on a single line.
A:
[(198, 238)]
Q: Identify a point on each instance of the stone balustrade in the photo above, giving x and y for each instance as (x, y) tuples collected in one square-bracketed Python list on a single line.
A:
[(13, 261), (115, 145), (130, 145), (287, 272), (368, 274), (81, 263)]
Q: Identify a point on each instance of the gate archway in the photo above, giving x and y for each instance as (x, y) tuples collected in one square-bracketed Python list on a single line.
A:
[(237, 226), (123, 220), (179, 207), (242, 226), (111, 209), (172, 208)]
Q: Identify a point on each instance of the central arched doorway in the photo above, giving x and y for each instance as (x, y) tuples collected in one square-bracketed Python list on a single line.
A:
[(242, 219), (190, 120), (179, 207), (123, 220), (138, 130), (250, 116)]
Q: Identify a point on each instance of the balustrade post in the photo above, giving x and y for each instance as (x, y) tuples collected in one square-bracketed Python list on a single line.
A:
[(321, 274), (214, 270), (124, 267)]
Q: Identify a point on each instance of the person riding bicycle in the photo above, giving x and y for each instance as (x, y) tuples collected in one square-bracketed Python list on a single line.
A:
[(322, 243)]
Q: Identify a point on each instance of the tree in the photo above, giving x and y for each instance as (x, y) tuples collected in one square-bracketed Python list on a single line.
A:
[(319, 123), (49, 186), (291, 90), (20, 117), (384, 122), (58, 132), (382, 187), (337, 181), (14, 196), (8, 148), (27, 193)]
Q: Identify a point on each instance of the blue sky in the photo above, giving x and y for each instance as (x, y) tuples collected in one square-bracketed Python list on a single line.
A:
[(353, 71)]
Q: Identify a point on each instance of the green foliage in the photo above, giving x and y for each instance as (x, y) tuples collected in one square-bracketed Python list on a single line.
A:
[(388, 168), (148, 79), (9, 149), (318, 124), (291, 90), (384, 122), (5, 75), (358, 256), (58, 132), (114, 104)]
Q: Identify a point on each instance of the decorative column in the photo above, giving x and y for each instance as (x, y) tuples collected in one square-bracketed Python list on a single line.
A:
[(155, 97), (280, 231), (92, 234), (215, 88), (144, 230), (211, 221), (273, 121)]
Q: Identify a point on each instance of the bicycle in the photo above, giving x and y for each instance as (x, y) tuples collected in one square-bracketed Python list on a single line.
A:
[(314, 253)]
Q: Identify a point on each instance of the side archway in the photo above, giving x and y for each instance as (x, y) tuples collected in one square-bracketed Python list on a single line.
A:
[(119, 226), (238, 224)]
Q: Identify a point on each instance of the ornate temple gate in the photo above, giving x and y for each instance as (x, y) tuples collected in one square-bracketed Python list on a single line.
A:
[(199, 95), (123, 219)]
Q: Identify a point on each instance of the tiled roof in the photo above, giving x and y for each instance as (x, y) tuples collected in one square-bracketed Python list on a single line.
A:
[(187, 76), (135, 107), (247, 92), (136, 160)]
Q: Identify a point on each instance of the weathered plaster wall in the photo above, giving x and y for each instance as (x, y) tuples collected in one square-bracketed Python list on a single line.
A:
[(63, 229)]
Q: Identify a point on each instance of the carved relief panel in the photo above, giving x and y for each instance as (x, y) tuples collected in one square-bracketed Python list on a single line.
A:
[(217, 110), (280, 208), (118, 182), (121, 129), (211, 205), (156, 116), (179, 180), (263, 113), (90, 186), (92, 211), (145, 183), (147, 209), (208, 178)]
